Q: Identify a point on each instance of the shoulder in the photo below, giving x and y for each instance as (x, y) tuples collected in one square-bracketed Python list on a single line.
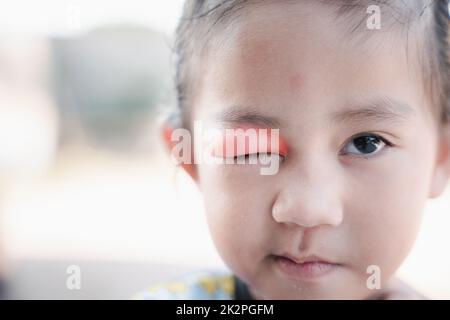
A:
[(399, 290), (203, 285)]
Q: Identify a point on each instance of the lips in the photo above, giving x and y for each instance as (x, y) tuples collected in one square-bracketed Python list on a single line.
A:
[(304, 268)]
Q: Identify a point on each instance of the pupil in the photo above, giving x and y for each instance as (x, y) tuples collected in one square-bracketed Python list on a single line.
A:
[(366, 144)]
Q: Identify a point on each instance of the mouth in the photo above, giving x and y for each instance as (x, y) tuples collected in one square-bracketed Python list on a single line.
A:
[(306, 268)]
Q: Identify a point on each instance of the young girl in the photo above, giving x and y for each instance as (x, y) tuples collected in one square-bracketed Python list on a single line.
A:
[(359, 92)]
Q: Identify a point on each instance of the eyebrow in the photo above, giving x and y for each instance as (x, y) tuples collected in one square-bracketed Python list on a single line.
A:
[(240, 114), (376, 109)]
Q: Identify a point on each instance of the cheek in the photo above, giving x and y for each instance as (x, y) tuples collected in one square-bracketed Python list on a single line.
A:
[(386, 208), (238, 214)]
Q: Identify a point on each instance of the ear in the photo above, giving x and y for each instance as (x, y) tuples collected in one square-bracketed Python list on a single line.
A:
[(167, 129), (441, 172)]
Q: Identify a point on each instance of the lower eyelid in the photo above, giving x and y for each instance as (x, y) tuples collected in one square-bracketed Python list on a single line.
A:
[(368, 156)]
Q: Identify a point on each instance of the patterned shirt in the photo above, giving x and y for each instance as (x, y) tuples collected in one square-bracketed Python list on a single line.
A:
[(202, 285)]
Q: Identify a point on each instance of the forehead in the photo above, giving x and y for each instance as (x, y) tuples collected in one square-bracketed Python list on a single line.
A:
[(298, 60)]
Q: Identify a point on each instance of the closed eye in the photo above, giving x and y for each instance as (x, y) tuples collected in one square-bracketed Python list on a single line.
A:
[(263, 157)]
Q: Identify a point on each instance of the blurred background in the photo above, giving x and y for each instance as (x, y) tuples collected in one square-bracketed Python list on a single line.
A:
[(84, 179)]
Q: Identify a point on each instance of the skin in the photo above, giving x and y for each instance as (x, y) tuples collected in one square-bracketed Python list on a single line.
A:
[(348, 209)]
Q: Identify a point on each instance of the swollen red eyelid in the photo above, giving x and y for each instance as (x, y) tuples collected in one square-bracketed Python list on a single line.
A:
[(227, 145), (282, 147)]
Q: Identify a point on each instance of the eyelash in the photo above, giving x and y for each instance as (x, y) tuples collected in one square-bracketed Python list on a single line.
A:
[(258, 154), (368, 156)]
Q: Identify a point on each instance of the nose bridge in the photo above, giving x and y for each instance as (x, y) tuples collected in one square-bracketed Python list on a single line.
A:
[(310, 195)]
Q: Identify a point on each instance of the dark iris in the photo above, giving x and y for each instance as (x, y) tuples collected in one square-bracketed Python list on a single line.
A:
[(367, 144)]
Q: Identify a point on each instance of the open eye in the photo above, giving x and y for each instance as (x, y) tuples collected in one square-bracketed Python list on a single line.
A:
[(366, 144)]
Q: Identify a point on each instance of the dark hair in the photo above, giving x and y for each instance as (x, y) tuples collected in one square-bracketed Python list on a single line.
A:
[(442, 31), (201, 17)]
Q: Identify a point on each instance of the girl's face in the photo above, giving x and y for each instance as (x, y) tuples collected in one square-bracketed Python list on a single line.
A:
[(364, 153)]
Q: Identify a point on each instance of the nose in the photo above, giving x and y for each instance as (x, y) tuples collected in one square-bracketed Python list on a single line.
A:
[(309, 200)]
